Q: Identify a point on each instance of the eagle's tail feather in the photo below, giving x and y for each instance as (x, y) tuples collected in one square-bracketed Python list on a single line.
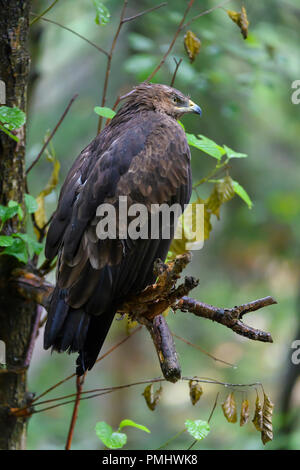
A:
[(57, 313), (69, 329), (95, 338)]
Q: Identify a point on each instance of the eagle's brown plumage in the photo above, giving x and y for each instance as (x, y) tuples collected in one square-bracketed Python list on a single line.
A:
[(142, 154)]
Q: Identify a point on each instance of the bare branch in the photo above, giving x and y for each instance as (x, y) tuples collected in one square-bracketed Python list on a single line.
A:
[(196, 346), (165, 348), (134, 17), (52, 134), (76, 34), (147, 307), (182, 25), (229, 317), (34, 335), (79, 385), (175, 71), (109, 59), (206, 12), (177, 32), (38, 17)]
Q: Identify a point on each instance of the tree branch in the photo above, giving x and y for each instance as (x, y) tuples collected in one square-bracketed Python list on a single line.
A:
[(113, 45), (76, 34), (182, 25), (148, 306), (52, 134), (177, 65), (231, 318)]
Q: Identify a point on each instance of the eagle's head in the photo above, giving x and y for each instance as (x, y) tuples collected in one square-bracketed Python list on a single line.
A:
[(161, 98)]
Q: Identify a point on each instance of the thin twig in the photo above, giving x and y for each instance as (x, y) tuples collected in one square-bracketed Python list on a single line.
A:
[(196, 346), (177, 32), (26, 411), (79, 385), (214, 407), (175, 71), (109, 59), (182, 25), (113, 45), (113, 348), (134, 17), (76, 34), (38, 17), (102, 391), (33, 335), (206, 12), (52, 133)]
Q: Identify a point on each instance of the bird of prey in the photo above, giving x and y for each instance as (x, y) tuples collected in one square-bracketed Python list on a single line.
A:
[(142, 154)]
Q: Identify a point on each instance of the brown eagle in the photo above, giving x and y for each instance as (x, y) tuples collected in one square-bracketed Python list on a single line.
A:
[(142, 154)]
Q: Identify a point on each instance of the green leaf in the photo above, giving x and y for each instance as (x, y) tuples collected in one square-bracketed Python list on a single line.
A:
[(10, 211), (104, 112), (240, 191), (33, 245), (13, 118), (198, 429), (102, 13), (206, 145), (112, 440), (129, 422), (16, 205), (31, 204), (6, 240), (232, 154), (12, 136), (18, 249)]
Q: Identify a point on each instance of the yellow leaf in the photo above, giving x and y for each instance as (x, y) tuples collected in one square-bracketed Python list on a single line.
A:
[(244, 418), (192, 45), (229, 408), (258, 416), (196, 391), (241, 20), (267, 426), (151, 397)]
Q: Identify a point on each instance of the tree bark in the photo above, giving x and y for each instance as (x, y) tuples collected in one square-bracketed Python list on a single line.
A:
[(16, 315)]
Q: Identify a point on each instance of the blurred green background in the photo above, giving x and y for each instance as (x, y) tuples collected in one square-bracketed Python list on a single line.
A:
[(244, 89)]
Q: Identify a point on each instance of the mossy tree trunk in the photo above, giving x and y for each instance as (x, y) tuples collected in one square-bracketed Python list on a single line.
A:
[(16, 315)]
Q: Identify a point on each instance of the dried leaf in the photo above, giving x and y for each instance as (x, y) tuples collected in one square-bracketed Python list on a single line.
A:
[(258, 415), (194, 226), (223, 191), (229, 408), (241, 20), (267, 427), (244, 418), (192, 45), (195, 391), (151, 397)]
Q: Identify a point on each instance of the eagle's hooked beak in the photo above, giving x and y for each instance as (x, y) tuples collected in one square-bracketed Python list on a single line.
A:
[(194, 108)]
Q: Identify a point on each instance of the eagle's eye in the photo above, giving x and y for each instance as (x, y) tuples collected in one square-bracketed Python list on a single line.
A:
[(175, 99)]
